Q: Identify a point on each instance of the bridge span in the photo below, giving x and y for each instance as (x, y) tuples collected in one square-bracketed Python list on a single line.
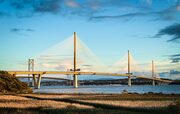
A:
[(37, 75)]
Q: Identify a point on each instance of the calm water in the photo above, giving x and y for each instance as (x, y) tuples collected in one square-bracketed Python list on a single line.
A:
[(168, 89)]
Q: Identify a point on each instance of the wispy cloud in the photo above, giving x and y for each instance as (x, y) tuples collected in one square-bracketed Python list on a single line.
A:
[(175, 58), (21, 29), (172, 30), (124, 16), (93, 9), (169, 13), (72, 4), (52, 6)]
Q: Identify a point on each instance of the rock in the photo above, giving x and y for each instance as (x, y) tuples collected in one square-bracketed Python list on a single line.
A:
[(125, 91)]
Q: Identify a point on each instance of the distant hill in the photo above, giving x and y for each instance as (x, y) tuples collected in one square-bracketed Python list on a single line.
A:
[(176, 82), (10, 84)]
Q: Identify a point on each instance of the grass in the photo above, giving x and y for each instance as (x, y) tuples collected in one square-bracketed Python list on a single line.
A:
[(88, 104), (115, 97), (10, 84), (72, 110), (65, 111)]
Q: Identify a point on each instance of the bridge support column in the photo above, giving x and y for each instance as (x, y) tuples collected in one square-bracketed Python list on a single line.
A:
[(75, 81), (39, 81), (34, 81), (153, 73), (129, 80), (153, 82)]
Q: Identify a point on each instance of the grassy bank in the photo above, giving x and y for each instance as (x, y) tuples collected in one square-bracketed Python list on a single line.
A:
[(10, 84), (90, 104)]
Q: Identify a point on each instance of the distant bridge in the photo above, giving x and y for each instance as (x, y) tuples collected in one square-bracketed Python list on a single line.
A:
[(37, 75)]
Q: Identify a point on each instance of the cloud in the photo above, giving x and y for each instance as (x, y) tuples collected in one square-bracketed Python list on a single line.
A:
[(72, 4), (175, 58), (29, 30), (92, 9), (17, 4), (172, 30), (124, 16), (167, 14), (170, 13), (21, 29), (51, 6), (149, 2), (28, 8), (15, 30)]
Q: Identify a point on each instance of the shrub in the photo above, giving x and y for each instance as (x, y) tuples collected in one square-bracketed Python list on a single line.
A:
[(10, 84)]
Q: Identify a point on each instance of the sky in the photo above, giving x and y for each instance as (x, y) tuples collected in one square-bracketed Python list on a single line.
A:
[(150, 29)]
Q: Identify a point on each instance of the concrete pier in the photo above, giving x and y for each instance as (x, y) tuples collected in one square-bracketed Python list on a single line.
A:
[(39, 81), (129, 80), (75, 81), (34, 80)]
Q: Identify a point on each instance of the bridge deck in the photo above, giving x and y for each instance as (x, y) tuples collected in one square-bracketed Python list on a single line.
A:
[(53, 78), (81, 73), (65, 73)]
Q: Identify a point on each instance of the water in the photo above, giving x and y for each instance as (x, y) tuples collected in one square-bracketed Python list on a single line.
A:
[(167, 89)]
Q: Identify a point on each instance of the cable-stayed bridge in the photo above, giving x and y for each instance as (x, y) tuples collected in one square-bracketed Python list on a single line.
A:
[(73, 57)]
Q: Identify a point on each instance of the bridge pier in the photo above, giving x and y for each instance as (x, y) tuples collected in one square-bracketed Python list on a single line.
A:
[(34, 80), (129, 80), (153, 82), (75, 81), (39, 81)]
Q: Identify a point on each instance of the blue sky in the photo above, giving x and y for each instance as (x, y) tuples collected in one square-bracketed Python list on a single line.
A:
[(149, 28)]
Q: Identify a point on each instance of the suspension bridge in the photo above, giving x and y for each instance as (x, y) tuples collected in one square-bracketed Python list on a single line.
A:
[(91, 68)]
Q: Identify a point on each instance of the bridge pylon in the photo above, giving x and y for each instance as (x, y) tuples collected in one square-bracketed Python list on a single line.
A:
[(30, 68), (75, 78), (129, 69), (153, 74), (36, 81)]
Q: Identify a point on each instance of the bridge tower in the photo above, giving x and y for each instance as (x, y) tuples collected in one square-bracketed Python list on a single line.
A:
[(129, 69), (30, 68), (75, 78), (153, 73)]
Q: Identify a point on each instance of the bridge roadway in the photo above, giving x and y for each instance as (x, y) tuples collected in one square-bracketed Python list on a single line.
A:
[(46, 77), (81, 73)]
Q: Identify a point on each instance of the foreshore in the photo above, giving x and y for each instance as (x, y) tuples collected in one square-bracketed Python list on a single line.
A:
[(90, 103)]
